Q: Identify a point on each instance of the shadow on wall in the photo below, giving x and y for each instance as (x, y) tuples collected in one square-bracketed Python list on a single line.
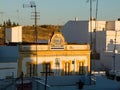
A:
[(46, 69), (112, 45)]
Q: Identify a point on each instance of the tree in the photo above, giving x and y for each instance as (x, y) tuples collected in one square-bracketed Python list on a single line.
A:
[(9, 24), (4, 24), (14, 24)]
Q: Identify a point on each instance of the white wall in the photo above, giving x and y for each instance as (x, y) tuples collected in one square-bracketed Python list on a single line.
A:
[(14, 34), (98, 25), (110, 40), (8, 69), (107, 62), (17, 34), (105, 33), (117, 25)]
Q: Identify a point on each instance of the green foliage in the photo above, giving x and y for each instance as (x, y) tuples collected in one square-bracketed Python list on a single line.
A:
[(8, 23)]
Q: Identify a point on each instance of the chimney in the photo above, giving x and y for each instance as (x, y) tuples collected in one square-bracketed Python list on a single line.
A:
[(76, 18)]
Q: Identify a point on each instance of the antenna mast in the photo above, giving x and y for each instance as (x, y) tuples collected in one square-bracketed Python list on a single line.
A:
[(2, 16), (33, 5)]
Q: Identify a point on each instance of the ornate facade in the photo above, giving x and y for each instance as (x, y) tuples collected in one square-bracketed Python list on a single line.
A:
[(57, 58)]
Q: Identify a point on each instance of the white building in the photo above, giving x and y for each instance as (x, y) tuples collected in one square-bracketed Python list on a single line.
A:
[(113, 25), (105, 39), (9, 56), (13, 34)]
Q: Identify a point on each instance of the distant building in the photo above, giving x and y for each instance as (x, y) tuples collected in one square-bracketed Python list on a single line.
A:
[(105, 39), (80, 30), (13, 34), (76, 31), (60, 57)]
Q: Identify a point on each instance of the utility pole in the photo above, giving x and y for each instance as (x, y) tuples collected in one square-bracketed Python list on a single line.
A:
[(114, 53), (22, 81), (46, 74), (114, 50), (33, 5), (91, 41), (96, 14), (18, 16), (90, 34)]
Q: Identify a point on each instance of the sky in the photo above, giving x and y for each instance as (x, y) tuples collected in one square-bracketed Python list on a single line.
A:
[(57, 12)]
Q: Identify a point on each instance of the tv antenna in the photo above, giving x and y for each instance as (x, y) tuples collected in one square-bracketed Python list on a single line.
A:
[(33, 5), (1, 13)]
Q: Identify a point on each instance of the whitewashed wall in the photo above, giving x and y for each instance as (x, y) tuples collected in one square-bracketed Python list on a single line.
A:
[(98, 25), (8, 69), (103, 37), (13, 34)]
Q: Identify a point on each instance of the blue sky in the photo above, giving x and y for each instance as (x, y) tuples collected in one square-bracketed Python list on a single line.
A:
[(57, 11)]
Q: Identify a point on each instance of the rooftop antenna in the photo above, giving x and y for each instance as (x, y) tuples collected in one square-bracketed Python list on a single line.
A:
[(90, 1), (91, 35), (33, 5), (17, 11), (2, 16), (114, 53), (96, 13)]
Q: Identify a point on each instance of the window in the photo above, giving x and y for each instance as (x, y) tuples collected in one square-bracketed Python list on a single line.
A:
[(31, 69), (81, 68), (57, 64), (46, 69), (67, 68)]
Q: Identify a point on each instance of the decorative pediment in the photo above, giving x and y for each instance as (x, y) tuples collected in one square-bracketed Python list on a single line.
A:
[(57, 41)]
